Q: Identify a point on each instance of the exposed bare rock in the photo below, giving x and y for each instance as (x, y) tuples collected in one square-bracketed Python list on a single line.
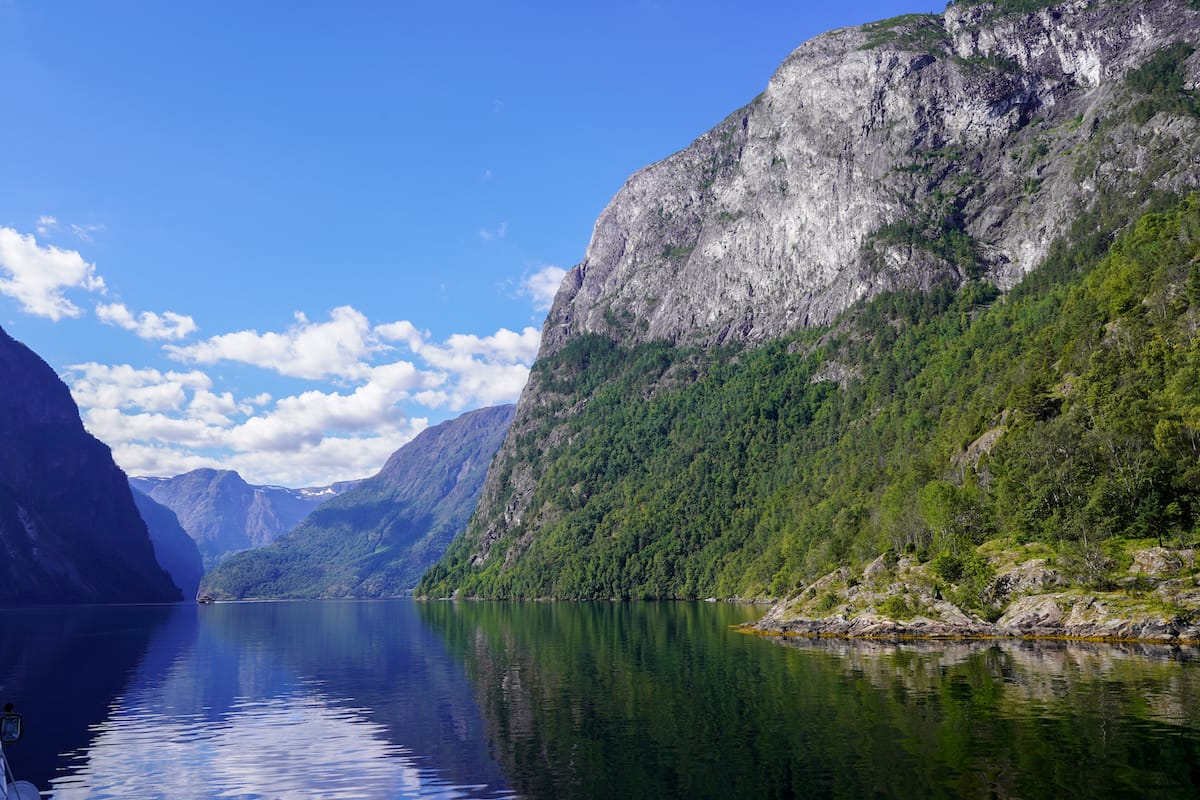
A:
[(1029, 577), (904, 600), (767, 223), (1160, 562), (1032, 613)]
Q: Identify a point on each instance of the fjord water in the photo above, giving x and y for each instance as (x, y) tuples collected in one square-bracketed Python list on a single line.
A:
[(402, 699)]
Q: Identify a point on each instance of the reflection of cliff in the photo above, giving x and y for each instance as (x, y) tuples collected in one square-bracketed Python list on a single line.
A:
[(623, 700), (62, 666)]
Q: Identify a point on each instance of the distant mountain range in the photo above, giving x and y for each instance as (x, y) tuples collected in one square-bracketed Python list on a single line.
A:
[(69, 529), (225, 515), (377, 538)]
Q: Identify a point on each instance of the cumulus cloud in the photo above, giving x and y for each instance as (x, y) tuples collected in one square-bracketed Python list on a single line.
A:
[(45, 224), (162, 422), (147, 325), (542, 285), (37, 277), (482, 370), (333, 458), (307, 349), (402, 331), (123, 386)]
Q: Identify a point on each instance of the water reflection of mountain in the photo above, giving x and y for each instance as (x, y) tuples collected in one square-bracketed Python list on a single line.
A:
[(373, 655), (642, 700), (62, 666), (262, 700)]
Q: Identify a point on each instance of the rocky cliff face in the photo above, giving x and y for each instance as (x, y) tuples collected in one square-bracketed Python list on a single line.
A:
[(924, 150), (69, 529), (226, 515), (869, 144), (376, 539)]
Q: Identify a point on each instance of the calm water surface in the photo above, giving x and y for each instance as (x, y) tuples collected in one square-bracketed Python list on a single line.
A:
[(414, 700)]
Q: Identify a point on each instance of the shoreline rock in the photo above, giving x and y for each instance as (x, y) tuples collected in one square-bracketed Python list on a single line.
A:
[(1030, 599)]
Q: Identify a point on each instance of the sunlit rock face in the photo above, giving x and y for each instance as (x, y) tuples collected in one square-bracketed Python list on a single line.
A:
[(770, 222), (69, 528)]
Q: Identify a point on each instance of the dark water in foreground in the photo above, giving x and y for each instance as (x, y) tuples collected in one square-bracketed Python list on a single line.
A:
[(406, 700)]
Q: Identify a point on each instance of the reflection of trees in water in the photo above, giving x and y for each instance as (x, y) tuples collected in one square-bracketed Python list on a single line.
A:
[(648, 700)]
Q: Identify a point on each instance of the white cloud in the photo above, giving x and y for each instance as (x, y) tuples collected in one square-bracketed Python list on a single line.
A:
[(402, 331), (333, 458), (36, 277), (167, 422), (304, 420), (45, 224), (542, 285), (123, 386), (85, 231), (147, 325), (113, 426), (161, 460), (499, 232), (307, 349), (503, 345), (482, 370)]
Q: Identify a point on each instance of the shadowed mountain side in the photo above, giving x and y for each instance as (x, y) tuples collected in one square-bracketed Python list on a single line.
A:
[(43, 653), (377, 539), (173, 548), (69, 530)]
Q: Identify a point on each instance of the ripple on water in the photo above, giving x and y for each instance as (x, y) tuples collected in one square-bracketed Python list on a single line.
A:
[(296, 746)]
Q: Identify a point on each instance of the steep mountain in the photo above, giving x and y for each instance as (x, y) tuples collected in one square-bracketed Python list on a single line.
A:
[(68, 525), (815, 333), (174, 550), (226, 515), (376, 539)]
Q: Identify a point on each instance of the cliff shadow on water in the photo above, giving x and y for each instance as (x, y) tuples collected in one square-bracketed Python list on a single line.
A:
[(661, 700), (63, 668)]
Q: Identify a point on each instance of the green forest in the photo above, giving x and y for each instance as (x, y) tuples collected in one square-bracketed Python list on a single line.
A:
[(1065, 411)]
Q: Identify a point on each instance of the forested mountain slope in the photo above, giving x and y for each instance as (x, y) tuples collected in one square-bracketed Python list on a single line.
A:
[(898, 184)]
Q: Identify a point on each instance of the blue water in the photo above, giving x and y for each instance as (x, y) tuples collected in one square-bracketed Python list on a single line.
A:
[(399, 699)]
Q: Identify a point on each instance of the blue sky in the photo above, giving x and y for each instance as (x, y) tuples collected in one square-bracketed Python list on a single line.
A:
[(284, 237)]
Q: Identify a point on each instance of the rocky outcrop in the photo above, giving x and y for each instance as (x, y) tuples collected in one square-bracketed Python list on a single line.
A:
[(1030, 600), (377, 539), (226, 515), (69, 529), (902, 154)]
